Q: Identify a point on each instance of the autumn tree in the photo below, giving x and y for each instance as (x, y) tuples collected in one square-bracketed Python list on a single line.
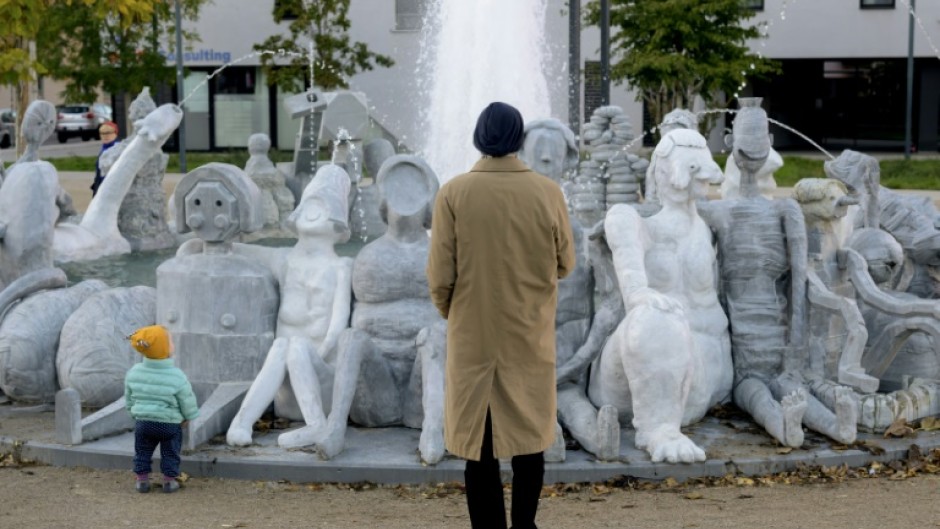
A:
[(671, 51), (112, 45), (326, 24)]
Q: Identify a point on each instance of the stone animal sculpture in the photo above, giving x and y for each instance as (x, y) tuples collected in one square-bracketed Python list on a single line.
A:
[(669, 360)]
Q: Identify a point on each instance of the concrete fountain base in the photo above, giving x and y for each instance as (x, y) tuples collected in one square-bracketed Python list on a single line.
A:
[(389, 455)]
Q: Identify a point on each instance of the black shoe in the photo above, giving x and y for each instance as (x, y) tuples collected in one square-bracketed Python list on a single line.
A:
[(142, 486), (171, 486)]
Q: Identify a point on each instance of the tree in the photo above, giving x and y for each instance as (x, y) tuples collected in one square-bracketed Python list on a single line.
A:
[(113, 45), (671, 51), (326, 23)]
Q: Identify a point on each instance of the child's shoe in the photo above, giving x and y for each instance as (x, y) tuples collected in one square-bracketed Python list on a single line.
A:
[(143, 483), (171, 485)]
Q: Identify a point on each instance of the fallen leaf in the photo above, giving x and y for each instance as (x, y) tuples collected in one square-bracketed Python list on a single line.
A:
[(784, 450), (899, 428), (929, 424), (744, 482), (694, 496)]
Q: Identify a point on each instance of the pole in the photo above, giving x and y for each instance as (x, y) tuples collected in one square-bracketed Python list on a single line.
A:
[(179, 86), (909, 111), (574, 64), (605, 52)]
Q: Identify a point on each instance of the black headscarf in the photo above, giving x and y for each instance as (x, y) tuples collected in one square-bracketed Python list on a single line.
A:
[(499, 130)]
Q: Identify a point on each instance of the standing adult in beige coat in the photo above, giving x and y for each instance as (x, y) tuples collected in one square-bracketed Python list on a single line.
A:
[(500, 241)]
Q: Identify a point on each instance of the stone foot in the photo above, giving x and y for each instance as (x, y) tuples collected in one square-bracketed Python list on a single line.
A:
[(846, 416), (673, 447), (303, 436), (332, 443), (608, 434), (431, 445), (794, 407), (556, 452), (238, 436)]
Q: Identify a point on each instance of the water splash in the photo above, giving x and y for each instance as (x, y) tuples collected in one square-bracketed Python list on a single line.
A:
[(471, 58), (920, 24)]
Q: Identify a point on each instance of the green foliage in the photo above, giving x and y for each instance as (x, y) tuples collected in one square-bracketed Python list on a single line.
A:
[(193, 160), (671, 51), (326, 23), (109, 44)]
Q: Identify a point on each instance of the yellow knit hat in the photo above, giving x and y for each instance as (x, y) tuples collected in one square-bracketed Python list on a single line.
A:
[(152, 342)]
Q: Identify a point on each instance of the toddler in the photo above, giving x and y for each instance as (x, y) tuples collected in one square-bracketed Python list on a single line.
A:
[(160, 398)]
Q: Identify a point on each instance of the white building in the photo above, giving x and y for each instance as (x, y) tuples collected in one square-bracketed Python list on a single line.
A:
[(842, 83)]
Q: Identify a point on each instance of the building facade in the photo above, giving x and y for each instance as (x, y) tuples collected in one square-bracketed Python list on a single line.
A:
[(842, 82)]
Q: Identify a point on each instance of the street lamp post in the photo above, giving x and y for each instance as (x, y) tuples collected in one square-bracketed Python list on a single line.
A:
[(574, 64), (179, 86), (605, 52), (909, 111)]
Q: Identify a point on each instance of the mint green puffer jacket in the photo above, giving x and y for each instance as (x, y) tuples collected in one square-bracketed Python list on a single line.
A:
[(157, 390)]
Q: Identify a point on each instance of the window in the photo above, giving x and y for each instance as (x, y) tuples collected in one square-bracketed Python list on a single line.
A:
[(409, 14), (236, 80), (756, 5), (877, 4)]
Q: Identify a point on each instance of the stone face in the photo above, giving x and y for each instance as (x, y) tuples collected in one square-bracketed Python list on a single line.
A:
[(29, 339), (94, 354)]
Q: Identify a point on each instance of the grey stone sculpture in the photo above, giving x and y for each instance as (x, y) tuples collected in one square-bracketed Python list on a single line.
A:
[(913, 220), (142, 215), (836, 329), (93, 354), (277, 201), (29, 339), (669, 360), (201, 292), (392, 305), (550, 148), (903, 335), (307, 373), (220, 307), (611, 175), (98, 235), (763, 274)]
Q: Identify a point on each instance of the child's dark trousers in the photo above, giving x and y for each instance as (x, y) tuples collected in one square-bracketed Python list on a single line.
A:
[(149, 434)]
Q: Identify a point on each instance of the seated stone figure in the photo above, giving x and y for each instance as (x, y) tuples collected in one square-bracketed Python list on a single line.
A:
[(392, 305), (550, 148), (669, 360), (762, 273), (303, 373), (837, 331)]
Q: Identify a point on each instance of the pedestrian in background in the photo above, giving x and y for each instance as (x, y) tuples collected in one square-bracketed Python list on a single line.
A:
[(108, 131), (500, 241)]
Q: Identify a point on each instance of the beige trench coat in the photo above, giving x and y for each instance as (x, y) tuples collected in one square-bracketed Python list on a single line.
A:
[(500, 240)]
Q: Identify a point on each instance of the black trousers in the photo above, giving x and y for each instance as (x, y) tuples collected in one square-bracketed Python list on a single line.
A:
[(485, 488)]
